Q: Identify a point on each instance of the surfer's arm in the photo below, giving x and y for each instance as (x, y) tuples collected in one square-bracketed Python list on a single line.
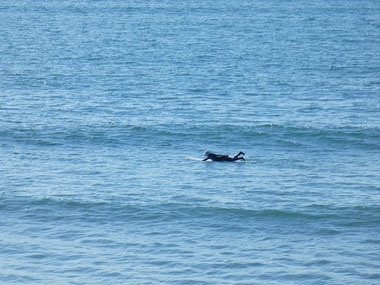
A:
[(205, 159)]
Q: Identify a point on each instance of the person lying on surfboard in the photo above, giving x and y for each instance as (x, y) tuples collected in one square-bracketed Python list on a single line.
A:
[(218, 157)]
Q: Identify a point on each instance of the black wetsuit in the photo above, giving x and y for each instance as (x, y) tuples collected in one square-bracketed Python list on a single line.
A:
[(218, 157)]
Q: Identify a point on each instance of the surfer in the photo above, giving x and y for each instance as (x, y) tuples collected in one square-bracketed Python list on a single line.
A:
[(218, 157)]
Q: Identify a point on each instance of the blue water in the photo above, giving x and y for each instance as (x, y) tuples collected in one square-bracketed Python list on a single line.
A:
[(102, 102)]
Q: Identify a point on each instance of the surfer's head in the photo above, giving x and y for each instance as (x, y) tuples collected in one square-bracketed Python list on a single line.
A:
[(207, 153)]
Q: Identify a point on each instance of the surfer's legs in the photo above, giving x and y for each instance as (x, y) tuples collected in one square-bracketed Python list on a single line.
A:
[(237, 156)]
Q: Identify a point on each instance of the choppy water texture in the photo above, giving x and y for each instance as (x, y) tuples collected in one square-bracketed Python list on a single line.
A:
[(102, 101)]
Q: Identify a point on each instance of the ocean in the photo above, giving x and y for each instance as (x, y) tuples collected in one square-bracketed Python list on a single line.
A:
[(102, 103)]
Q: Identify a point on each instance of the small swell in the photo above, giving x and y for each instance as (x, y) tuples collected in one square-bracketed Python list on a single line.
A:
[(112, 134)]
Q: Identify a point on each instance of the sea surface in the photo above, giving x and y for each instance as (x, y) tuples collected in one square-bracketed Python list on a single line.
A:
[(103, 102)]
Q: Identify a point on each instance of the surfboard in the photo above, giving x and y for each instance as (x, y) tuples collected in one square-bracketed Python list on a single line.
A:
[(197, 159)]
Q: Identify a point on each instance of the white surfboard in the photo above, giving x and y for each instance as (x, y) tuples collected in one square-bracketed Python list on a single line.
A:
[(197, 159)]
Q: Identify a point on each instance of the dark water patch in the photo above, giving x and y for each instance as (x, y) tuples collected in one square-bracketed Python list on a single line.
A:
[(15, 278), (99, 242), (37, 256), (318, 263), (322, 231), (372, 241), (374, 276), (310, 278)]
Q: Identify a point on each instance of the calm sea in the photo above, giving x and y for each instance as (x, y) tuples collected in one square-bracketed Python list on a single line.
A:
[(103, 102)]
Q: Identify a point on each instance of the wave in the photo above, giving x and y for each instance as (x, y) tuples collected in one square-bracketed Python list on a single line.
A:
[(344, 215), (52, 209), (113, 134)]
